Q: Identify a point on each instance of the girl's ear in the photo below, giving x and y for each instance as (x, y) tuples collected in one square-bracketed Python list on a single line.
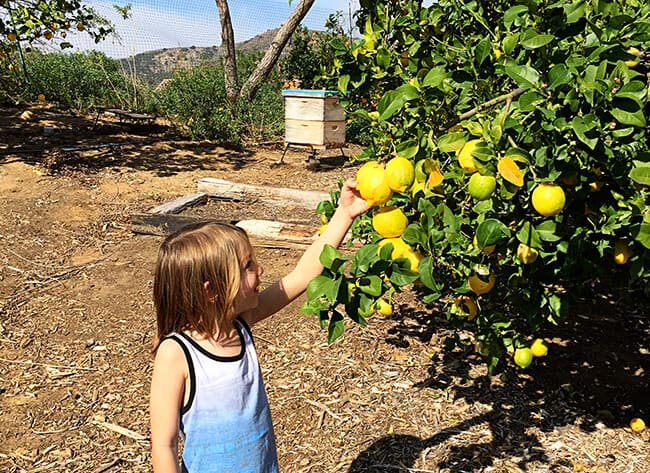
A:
[(207, 290)]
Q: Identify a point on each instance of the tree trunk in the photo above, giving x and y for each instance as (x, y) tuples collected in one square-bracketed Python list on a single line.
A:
[(250, 87), (229, 54)]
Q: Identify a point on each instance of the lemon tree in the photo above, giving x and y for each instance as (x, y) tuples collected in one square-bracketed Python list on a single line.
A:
[(549, 102)]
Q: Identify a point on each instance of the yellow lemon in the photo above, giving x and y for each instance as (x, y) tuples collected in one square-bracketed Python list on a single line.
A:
[(384, 307), (523, 357), (481, 284), (548, 199), (622, 251), (526, 254), (465, 306), (399, 246), (414, 258), (481, 187), (389, 221), (372, 184), (637, 425), (632, 63), (400, 173), (538, 347), (41, 98), (466, 156)]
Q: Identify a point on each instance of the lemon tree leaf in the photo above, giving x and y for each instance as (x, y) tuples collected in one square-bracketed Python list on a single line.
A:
[(371, 285), (524, 76), (451, 142), (641, 175), (332, 258), (641, 234), (435, 77), (529, 236), (628, 112), (509, 170), (491, 231), (531, 39), (336, 327), (547, 231)]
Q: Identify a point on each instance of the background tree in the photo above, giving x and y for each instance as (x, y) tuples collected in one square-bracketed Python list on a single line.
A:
[(270, 58), (525, 125)]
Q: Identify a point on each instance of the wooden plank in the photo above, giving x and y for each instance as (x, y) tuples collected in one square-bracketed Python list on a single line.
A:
[(263, 233), (180, 204), (130, 115), (270, 195)]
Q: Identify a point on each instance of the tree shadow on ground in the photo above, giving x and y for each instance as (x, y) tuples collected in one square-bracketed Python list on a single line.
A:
[(597, 370), (64, 143)]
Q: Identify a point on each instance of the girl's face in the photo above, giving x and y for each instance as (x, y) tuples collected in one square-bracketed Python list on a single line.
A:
[(248, 295)]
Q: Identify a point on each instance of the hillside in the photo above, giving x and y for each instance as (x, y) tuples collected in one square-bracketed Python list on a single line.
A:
[(156, 65)]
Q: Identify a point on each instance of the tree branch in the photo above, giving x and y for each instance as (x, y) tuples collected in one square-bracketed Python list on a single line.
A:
[(501, 98)]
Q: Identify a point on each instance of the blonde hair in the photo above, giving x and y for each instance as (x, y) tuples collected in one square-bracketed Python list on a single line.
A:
[(187, 259)]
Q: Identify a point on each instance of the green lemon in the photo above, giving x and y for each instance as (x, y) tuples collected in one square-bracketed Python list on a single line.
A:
[(481, 187)]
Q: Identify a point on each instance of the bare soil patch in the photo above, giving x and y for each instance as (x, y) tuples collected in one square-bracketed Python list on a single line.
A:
[(76, 324)]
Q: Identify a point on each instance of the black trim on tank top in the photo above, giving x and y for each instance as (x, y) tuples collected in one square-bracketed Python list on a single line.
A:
[(190, 368), (212, 356)]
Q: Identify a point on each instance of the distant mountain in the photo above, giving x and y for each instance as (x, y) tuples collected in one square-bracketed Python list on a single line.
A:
[(154, 66)]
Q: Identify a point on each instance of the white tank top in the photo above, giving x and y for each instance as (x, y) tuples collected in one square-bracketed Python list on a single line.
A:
[(226, 425)]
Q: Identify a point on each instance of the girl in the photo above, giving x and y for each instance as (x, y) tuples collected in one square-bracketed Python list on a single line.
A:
[(206, 383)]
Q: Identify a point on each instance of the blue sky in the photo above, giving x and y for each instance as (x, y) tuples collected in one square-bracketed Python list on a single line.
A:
[(157, 24)]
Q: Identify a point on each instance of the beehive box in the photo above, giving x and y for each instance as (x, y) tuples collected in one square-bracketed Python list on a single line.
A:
[(313, 117)]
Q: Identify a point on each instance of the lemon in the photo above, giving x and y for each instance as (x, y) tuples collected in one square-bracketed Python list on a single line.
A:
[(389, 221), (523, 357), (526, 254), (548, 199), (41, 98), (622, 251), (637, 425), (12, 37), (632, 63), (466, 156), (399, 246), (481, 187), (487, 250), (465, 306), (384, 307), (538, 347), (414, 258), (480, 284), (400, 173), (372, 184)]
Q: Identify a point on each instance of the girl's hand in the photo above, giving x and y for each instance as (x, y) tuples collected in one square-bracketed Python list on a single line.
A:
[(351, 201)]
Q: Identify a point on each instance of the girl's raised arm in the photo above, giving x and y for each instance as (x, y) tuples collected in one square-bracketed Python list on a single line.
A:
[(282, 292)]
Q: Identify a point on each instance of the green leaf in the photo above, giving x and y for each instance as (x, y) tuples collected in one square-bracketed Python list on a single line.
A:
[(336, 327), (512, 14), (529, 236), (482, 51), (383, 57), (451, 142), (558, 75), (363, 258), (394, 100), (575, 11), (318, 286), (582, 127), (491, 231), (524, 76), (628, 112), (344, 80), (547, 231), (332, 258), (407, 149), (371, 285), (641, 175), (510, 42), (531, 39), (426, 274), (401, 275), (435, 77), (641, 234)]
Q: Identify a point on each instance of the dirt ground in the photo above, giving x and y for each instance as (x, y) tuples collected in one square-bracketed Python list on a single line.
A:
[(76, 325)]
